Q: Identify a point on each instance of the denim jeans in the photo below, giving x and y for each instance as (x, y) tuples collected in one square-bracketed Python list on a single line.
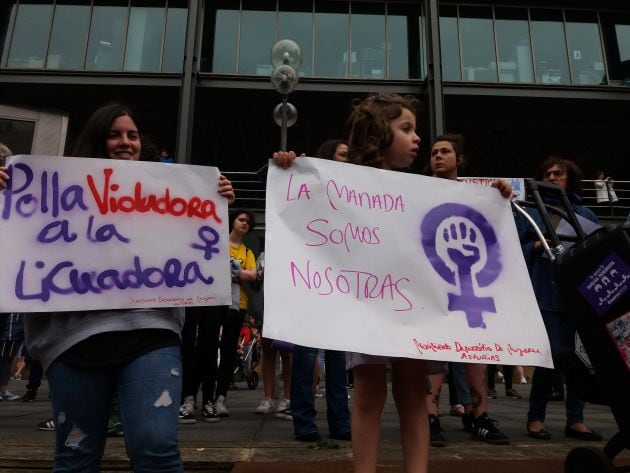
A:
[(543, 379), (148, 390), (458, 389), (302, 399)]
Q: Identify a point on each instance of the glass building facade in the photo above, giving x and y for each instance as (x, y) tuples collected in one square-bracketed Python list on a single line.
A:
[(455, 56), (339, 39), (102, 35)]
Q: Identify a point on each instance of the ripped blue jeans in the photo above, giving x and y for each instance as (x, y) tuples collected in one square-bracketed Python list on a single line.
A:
[(148, 390)]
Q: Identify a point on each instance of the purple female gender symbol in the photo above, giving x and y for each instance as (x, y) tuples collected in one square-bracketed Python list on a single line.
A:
[(463, 247)]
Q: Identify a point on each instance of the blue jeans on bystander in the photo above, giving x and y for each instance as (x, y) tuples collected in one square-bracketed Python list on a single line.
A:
[(302, 398), (543, 379)]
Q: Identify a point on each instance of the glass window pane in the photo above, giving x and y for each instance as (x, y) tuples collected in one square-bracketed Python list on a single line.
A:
[(298, 26), (7, 15), (515, 54), (478, 53), (623, 40), (225, 40), (367, 24), (144, 36), (449, 43), (585, 49), (332, 40), (398, 47), (30, 36), (69, 36), (175, 36), (616, 33), (405, 41), (107, 34), (622, 33), (258, 35), (550, 52), (17, 135)]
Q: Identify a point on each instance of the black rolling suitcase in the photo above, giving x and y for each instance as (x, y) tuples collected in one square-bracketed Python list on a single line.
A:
[(594, 282)]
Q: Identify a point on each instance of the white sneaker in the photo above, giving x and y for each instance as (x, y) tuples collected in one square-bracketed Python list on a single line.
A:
[(186, 411), (265, 407), (284, 410), (500, 376), (9, 396), (523, 380), (219, 407)]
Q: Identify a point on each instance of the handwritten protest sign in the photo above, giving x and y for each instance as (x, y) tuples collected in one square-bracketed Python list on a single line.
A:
[(388, 263), (517, 183), (80, 233)]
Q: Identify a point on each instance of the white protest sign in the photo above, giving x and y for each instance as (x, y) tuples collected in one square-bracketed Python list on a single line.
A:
[(86, 234), (387, 263), (517, 183)]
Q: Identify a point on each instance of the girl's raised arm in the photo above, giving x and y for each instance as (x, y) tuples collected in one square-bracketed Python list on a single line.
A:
[(226, 190), (284, 159)]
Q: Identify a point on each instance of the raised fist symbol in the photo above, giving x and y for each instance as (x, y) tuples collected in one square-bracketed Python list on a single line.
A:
[(461, 245)]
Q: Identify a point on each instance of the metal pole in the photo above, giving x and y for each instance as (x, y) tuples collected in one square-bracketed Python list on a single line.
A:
[(434, 74), (189, 83), (283, 127)]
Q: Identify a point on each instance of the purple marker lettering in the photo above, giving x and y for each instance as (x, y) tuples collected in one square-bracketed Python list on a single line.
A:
[(56, 230), (44, 185), (210, 237), (174, 274), (349, 196), (9, 192), (302, 191), (104, 233), (330, 285), (310, 227), (402, 294)]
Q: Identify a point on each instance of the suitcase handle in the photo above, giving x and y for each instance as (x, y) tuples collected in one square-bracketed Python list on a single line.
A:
[(535, 187), (518, 206)]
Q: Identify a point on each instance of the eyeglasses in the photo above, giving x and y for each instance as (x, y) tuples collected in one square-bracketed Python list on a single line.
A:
[(554, 173)]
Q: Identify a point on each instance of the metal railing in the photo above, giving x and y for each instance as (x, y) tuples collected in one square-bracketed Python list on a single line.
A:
[(609, 199), (250, 188)]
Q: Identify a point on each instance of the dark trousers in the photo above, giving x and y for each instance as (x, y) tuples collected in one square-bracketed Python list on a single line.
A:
[(200, 342), (232, 323)]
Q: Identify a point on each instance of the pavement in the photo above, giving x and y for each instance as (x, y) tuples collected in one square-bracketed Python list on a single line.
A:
[(247, 442)]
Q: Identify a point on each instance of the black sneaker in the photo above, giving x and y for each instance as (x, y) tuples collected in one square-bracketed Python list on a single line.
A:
[(512, 394), (48, 425), (492, 393), (29, 396), (186, 411), (468, 420), (436, 432), (485, 429), (209, 413)]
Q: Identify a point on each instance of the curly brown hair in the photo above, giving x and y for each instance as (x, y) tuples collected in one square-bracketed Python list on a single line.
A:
[(574, 174), (369, 125)]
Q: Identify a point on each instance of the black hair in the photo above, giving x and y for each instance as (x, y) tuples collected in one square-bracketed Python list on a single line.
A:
[(328, 148), (455, 139), (236, 212), (92, 142)]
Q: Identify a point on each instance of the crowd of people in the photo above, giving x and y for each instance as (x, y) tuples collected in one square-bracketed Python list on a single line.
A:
[(133, 360)]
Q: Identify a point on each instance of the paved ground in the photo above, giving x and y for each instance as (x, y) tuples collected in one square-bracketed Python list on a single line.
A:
[(246, 442)]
